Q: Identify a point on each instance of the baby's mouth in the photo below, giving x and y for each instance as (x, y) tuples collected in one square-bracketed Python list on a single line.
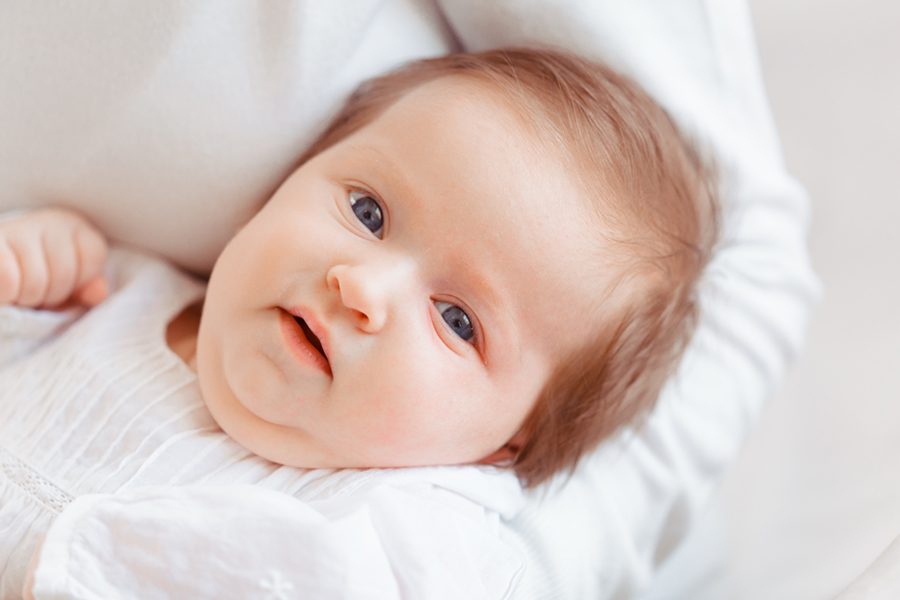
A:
[(311, 337)]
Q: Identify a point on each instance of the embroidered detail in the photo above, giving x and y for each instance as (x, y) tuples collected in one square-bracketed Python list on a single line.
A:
[(276, 585), (33, 483)]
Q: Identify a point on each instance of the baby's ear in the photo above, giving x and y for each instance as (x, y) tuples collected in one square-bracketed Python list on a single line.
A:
[(505, 455)]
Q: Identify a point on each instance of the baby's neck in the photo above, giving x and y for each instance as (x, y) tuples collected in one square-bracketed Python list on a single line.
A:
[(181, 334)]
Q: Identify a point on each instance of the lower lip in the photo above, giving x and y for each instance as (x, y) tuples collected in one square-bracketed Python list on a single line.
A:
[(300, 347)]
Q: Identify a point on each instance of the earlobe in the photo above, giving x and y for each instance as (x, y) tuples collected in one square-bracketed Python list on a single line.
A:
[(506, 454), (501, 458)]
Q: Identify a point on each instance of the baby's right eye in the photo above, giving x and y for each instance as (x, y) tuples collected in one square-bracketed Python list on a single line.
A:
[(455, 316), (368, 211)]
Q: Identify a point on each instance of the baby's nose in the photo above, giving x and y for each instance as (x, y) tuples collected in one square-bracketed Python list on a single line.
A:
[(371, 291)]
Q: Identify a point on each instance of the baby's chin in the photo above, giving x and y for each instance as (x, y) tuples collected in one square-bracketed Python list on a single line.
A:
[(275, 443), (292, 448)]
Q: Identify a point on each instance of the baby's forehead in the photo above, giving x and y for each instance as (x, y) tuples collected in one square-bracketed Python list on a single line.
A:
[(476, 98)]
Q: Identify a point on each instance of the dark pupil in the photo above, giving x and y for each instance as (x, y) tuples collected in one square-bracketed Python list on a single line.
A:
[(368, 211), (459, 321)]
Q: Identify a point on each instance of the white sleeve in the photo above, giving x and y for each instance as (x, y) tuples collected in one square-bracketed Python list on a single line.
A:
[(249, 542), (630, 504), (22, 329)]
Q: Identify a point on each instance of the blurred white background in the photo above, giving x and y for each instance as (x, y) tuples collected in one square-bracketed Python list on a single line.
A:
[(815, 495)]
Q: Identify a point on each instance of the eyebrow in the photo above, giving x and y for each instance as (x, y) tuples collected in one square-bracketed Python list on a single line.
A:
[(480, 283)]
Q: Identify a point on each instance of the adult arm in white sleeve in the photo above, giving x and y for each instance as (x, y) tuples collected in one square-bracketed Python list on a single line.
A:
[(249, 542), (630, 503)]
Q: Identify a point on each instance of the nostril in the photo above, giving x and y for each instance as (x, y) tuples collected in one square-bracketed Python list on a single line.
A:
[(331, 281)]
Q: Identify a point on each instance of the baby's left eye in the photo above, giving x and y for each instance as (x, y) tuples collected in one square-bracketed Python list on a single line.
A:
[(457, 319), (368, 211)]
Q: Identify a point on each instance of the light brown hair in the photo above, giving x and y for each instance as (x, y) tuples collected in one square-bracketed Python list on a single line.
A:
[(656, 201)]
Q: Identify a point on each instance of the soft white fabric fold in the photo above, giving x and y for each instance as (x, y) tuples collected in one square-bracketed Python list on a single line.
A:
[(247, 542)]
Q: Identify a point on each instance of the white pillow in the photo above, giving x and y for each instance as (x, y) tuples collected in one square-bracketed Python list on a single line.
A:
[(168, 123)]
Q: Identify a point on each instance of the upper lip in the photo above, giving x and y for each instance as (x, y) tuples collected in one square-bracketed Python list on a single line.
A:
[(316, 326)]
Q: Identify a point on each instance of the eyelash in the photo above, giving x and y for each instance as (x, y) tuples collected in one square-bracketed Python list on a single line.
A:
[(477, 339)]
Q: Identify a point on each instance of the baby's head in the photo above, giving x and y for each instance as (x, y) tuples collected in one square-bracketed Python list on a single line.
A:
[(497, 253)]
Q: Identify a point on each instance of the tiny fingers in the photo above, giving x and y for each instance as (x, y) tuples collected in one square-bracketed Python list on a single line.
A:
[(90, 250), (50, 256), (10, 273), (33, 268), (93, 292), (62, 265)]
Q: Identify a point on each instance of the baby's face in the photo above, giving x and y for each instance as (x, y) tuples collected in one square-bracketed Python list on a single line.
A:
[(443, 260)]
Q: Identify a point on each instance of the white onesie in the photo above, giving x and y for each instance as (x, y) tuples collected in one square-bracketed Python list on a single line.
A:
[(107, 448)]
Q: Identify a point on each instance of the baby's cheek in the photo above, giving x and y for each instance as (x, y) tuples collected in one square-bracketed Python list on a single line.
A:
[(428, 423), (398, 410), (392, 421)]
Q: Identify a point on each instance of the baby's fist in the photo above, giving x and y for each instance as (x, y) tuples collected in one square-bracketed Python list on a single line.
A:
[(48, 256)]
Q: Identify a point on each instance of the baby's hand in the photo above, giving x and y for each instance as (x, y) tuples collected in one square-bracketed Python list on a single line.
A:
[(49, 256)]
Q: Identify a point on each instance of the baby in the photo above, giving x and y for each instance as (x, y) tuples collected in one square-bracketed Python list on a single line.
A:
[(486, 258)]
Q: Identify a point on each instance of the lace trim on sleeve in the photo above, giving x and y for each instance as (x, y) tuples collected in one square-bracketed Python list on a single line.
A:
[(33, 483)]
